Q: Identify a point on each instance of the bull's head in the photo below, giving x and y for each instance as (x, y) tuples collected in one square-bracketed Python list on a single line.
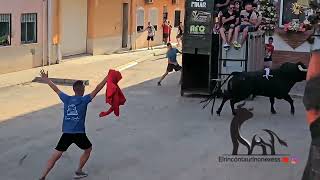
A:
[(295, 71)]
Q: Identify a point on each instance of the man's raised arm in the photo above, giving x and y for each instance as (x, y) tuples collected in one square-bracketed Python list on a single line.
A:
[(45, 78), (98, 88)]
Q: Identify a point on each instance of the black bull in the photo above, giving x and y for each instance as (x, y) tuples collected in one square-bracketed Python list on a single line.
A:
[(243, 84)]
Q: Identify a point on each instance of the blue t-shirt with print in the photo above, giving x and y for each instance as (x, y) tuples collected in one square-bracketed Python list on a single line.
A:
[(172, 55), (75, 110)]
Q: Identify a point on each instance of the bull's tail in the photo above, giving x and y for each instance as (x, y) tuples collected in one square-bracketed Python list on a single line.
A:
[(215, 93)]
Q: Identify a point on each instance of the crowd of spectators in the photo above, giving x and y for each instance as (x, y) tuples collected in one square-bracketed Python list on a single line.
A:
[(237, 16)]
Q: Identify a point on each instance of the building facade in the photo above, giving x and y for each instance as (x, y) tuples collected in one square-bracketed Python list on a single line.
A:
[(293, 46), (35, 33), (22, 34)]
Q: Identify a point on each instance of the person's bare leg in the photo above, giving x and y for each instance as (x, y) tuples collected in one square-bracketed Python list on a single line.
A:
[(148, 44), (51, 162), (236, 33), (244, 35), (84, 158), (222, 34), (163, 76), (230, 35)]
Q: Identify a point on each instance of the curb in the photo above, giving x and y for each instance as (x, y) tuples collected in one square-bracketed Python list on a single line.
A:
[(60, 81), (68, 82), (136, 50)]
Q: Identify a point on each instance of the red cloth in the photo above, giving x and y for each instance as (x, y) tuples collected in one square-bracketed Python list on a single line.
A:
[(114, 95)]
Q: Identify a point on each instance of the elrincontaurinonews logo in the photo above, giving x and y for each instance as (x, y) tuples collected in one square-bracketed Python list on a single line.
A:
[(258, 149)]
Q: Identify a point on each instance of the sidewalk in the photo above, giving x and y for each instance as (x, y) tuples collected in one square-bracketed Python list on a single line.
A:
[(81, 67)]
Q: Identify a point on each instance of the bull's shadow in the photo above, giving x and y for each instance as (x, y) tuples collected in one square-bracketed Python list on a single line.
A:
[(243, 115)]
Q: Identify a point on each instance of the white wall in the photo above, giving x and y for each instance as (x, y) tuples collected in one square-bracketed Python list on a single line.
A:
[(281, 45)]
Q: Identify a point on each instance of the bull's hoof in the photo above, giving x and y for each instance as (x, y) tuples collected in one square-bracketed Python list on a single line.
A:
[(273, 112), (233, 113), (218, 113), (292, 113)]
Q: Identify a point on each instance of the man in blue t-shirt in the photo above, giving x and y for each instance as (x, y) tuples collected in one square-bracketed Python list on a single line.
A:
[(172, 61), (73, 127)]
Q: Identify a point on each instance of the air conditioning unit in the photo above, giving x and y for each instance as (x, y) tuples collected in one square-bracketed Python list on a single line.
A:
[(175, 1), (149, 1)]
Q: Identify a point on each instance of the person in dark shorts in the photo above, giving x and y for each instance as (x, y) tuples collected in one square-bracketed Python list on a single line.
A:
[(229, 20), (172, 61), (73, 127), (166, 31), (151, 33), (269, 51), (179, 34), (248, 20)]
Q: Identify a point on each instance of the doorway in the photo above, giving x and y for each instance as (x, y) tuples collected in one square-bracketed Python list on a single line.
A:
[(73, 19), (125, 22)]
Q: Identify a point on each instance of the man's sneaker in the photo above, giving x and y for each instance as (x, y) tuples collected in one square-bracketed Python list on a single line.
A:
[(236, 45), (226, 46), (79, 175), (159, 83)]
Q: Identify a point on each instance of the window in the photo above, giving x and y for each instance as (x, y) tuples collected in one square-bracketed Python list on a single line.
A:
[(177, 15), (5, 29), (29, 28), (140, 20), (153, 17)]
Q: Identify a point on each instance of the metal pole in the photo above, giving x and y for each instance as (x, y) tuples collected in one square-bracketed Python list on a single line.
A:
[(49, 21)]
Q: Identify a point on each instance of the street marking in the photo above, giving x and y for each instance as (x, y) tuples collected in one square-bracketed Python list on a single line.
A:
[(127, 66)]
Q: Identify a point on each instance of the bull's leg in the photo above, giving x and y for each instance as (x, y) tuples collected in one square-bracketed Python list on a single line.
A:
[(290, 101), (224, 100), (273, 111)]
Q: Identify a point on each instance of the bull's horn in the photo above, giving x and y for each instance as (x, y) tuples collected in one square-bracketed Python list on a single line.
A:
[(302, 69)]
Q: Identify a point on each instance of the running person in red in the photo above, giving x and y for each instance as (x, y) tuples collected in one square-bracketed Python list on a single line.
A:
[(73, 128), (172, 61)]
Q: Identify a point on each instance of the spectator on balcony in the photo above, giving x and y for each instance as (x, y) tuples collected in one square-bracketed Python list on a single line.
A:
[(237, 9), (259, 16), (248, 21), (221, 4), (244, 2), (229, 20)]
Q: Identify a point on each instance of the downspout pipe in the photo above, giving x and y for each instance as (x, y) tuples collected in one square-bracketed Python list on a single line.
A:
[(49, 21), (44, 16), (131, 23)]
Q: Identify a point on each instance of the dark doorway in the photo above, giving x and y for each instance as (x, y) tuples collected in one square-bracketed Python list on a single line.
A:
[(125, 23)]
